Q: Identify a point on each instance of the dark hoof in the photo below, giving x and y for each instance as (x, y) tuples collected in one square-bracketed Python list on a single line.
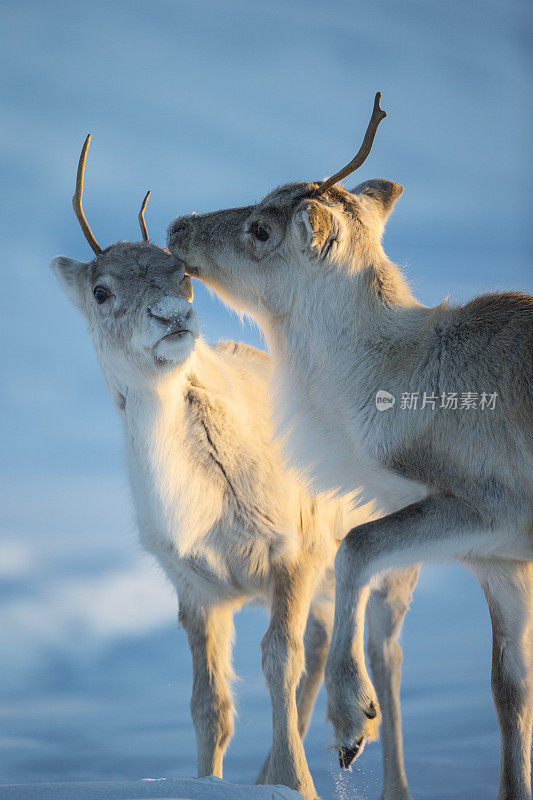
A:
[(371, 713), (347, 755)]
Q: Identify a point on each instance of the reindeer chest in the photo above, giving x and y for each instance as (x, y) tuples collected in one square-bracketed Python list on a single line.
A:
[(200, 498), (320, 442), (328, 439), (174, 500)]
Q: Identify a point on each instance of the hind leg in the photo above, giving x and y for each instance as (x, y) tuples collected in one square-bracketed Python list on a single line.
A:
[(388, 604), (316, 643), (508, 587)]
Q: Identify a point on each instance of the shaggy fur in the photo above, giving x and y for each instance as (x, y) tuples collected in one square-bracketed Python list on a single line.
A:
[(342, 325), (225, 519)]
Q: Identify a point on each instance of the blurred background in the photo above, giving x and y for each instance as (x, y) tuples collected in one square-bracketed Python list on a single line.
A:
[(211, 105)]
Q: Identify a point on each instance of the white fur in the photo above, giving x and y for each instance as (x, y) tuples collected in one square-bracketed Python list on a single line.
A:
[(227, 521)]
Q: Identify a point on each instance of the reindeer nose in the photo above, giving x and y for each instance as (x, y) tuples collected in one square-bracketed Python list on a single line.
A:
[(170, 310), (179, 231), (165, 320)]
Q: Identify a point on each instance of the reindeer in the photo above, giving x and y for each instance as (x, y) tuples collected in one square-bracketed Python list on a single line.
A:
[(344, 330), (225, 519)]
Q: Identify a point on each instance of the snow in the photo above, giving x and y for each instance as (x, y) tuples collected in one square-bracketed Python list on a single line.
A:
[(147, 789)]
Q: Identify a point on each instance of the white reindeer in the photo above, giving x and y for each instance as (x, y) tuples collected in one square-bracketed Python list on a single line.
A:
[(342, 326), (216, 507)]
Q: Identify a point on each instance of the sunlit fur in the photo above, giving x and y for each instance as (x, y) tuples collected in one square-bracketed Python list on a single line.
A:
[(342, 324), (225, 520)]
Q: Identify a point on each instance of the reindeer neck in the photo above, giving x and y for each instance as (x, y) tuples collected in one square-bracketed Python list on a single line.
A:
[(168, 461), (153, 403), (130, 387), (344, 328), (343, 310)]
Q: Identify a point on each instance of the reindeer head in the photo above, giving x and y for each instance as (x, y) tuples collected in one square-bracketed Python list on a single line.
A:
[(135, 296), (258, 256)]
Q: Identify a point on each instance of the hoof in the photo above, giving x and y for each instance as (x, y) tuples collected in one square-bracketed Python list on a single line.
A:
[(348, 754)]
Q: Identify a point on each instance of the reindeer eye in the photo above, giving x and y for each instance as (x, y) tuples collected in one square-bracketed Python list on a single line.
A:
[(101, 294), (259, 231)]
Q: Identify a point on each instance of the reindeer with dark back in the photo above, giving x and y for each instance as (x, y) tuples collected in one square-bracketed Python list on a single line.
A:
[(343, 326)]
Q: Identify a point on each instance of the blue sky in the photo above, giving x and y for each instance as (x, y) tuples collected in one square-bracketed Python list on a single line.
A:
[(212, 104)]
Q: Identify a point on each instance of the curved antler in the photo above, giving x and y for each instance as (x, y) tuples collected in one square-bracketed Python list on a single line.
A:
[(78, 196), (142, 223), (364, 151)]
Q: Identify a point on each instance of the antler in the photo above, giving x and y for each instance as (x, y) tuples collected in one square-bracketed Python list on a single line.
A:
[(77, 199), (364, 151), (142, 223)]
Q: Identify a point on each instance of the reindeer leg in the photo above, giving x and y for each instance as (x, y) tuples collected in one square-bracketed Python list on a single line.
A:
[(210, 633), (283, 662), (316, 644), (435, 528), (388, 604), (508, 587)]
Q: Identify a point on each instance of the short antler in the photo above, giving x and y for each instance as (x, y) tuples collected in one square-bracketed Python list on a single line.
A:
[(78, 196), (142, 223), (377, 115)]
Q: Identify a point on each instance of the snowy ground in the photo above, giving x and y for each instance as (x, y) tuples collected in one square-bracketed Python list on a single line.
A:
[(96, 675), (148, 789)]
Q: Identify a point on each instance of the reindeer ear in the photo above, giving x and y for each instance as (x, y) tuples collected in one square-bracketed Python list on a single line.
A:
[(70, 273), (318, 227), (380, 194)]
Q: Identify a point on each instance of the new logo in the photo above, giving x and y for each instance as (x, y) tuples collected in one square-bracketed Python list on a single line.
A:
[(384, 400)]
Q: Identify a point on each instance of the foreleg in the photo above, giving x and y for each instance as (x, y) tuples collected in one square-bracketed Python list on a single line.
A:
[(283, 662), (316, 644), (210, 634), (437, 527)]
